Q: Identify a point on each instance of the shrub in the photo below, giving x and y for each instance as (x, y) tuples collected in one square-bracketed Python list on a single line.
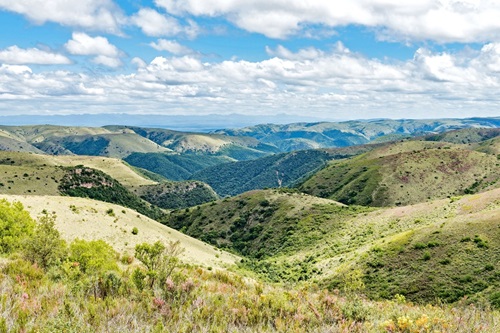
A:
[(160, 260), (135, 231), (45, 247), (15, 225)]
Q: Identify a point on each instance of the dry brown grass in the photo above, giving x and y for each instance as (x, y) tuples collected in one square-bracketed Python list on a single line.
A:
[(88, 219)]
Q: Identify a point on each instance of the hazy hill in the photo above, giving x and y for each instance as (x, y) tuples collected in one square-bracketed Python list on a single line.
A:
[(341, 134), (466, 135), (405, 173)]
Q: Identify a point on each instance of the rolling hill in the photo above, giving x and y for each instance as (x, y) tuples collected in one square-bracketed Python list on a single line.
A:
[(81, 218), (405, 173), (279, 170), (102, 178), (442, 249), (325, 134)]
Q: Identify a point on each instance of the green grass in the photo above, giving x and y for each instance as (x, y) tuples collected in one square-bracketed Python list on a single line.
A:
[(405, 173)]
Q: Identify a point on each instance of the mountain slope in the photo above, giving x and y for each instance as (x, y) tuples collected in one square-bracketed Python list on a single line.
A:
[(175, 195), (405, 173), (90, 220), (341, 134), (279, 170)]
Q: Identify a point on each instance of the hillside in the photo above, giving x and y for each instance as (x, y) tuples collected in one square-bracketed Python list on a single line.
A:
[(405, 173), (84, 289), (110, 180), (81, 218), (255, 224), (279, 170), (175, 195), (443, 249), (42, 173), (324, 134)]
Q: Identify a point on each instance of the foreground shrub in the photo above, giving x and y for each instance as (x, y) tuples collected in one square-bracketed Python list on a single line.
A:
[(15, 225)]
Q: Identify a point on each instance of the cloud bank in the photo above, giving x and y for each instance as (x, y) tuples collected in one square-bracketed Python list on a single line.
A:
[(309, 80)]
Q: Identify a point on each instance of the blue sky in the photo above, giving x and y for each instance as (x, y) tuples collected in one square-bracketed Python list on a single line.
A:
[(330, 59)]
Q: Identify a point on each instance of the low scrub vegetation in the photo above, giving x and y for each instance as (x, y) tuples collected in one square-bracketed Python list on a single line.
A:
[(83, 289)]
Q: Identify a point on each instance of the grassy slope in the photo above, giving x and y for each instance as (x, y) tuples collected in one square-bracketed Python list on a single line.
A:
[(256, 224), (405, 173), (114, 167), (294, 237), (267, 172), (88, 219), (44, 172)]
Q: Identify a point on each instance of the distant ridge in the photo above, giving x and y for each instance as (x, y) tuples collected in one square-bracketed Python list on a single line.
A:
[(196, 123)]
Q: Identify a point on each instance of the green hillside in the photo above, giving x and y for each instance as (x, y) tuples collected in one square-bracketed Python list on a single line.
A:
[(68, 284), (439, 250), (259, 223), (174, 166), (405, 173), (175, 195), (279, 170)]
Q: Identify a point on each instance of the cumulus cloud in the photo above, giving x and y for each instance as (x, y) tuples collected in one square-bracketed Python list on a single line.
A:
[(83, 44), (16, 56), (171, 46), (439, 20), (106, 53), (152, 23), (103, 15), (336, 83)]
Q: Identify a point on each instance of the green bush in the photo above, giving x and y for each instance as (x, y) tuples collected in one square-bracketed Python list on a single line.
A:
[(15, 225), (45, 247)]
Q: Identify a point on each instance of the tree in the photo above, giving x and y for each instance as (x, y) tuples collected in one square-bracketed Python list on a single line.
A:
[(45, 247), (15, 225)]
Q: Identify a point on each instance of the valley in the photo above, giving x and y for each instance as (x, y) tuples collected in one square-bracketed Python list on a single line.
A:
[(282, 226)]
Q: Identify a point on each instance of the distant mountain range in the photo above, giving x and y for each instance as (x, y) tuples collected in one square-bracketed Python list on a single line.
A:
[(196, 123)]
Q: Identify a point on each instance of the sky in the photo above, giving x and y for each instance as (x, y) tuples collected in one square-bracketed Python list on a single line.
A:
[(330, 59)]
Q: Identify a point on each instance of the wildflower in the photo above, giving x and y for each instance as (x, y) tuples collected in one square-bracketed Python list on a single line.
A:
[(404, 323), (169, 284), (389, 325), (187, 286)]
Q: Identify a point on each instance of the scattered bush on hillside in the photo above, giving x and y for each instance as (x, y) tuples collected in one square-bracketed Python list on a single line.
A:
[(86, 182)]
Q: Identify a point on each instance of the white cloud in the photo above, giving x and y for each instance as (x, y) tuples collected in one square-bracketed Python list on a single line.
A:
[(155, 24), (107, 61), (83, 44), (101, 15), (170, 46), (106, 53), (336, 83), (16, 56), (439, 20)]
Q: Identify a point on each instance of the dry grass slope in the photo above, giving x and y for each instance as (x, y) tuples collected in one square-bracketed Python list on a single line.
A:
[(91, 220)]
